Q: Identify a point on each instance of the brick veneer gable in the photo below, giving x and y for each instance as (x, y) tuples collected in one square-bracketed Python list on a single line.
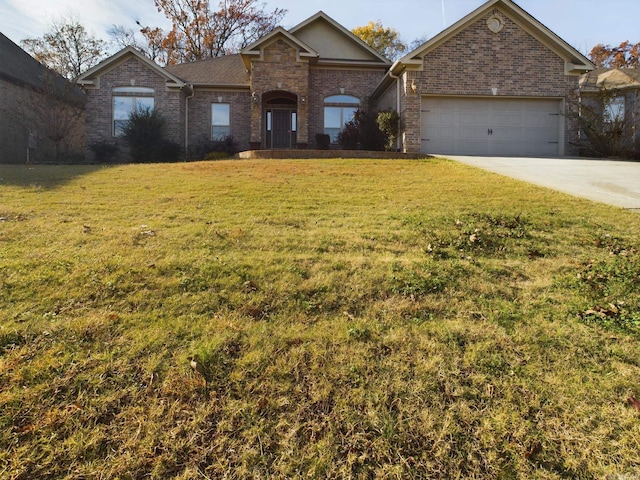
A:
[(476, 60), (99, 109), (280, 69)]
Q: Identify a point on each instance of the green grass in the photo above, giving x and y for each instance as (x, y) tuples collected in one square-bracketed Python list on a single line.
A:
[(358, 319)]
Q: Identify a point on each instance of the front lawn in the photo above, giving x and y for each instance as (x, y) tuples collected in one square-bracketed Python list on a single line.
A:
[(354, 319)]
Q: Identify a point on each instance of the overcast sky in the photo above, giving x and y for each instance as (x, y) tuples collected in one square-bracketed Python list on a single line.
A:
[(582, 23)]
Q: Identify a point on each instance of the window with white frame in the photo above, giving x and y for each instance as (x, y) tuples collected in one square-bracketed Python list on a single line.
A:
[(127, 100), (220, 120), (338, 111)]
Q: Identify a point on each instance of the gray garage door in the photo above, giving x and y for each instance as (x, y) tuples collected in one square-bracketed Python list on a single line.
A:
[(490, 126)]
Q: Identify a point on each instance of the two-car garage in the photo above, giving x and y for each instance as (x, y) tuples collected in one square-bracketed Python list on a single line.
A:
[(491, 126)]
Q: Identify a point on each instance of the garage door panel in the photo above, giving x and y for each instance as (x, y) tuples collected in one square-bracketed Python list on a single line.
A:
[(490, 126)]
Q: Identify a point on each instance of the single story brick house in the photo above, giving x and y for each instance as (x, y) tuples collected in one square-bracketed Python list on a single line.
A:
[(496, 82), (40, 111)]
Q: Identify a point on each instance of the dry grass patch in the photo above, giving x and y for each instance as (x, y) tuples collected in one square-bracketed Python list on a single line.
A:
[(356, 319)]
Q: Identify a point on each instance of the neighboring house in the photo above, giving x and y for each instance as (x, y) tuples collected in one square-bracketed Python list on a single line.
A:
[(496, 82), (40, 111), (619, 91)]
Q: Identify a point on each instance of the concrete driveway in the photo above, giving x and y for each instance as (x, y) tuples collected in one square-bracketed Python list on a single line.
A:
[(607, 181)]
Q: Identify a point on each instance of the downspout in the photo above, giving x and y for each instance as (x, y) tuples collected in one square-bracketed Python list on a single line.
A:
[(186, 120), (397, 79)]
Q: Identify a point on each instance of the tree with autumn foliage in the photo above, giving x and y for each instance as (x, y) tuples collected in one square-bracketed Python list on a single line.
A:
[(625, 55), (199, 31), (386, 41)]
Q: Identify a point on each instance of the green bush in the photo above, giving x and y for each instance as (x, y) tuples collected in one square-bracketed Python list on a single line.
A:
[(213, 149), (323, 141), (389, 125), (104, 152), (362, 133), (144, 133)]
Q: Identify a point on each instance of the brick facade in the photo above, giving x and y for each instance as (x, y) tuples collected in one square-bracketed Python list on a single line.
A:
[(25, 113), (476, 60), (325, 82), (280, 69), (281, 73), (200, 115), (131, 72)]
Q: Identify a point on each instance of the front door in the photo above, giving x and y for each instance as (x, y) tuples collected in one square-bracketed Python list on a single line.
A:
[(281, 128)]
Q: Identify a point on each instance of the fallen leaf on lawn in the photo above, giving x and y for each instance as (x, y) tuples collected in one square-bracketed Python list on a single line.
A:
[(534, 449), (634, 402)]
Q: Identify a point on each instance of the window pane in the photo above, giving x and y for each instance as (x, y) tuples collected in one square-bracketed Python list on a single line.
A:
[(133, 90), (347, 114), (342, 99), (294, 122), (333, 133), (219, 132), (118, 127), (144, 104), (615, 110), (269, 121), (122, 107), (220, 114), (332, 117)]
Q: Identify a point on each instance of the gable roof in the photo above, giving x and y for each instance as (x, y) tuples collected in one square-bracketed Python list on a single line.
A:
[(92, 76), (305, 28), (227, 71), (576, 61), (611, 78), (20, 68), (255, 49)]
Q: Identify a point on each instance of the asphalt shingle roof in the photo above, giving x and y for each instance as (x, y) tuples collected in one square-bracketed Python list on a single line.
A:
[(20, 68), (221, 71)]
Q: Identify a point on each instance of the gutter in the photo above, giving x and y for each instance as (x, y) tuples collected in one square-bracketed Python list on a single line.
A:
[(397, 79), (186, 120)]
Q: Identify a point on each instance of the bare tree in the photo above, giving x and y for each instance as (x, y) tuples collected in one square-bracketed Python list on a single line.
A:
[(66, 48), (52, 114), (606, 130)]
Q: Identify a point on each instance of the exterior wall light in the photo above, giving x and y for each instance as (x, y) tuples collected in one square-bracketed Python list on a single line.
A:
[(303, 99), (255, 97)]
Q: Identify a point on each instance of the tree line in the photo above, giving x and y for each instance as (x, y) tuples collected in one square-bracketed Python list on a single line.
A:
[(201, 30)]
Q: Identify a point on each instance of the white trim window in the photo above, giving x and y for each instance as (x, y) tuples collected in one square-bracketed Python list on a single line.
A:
[(220, 121), (127, 100), (338, 111)]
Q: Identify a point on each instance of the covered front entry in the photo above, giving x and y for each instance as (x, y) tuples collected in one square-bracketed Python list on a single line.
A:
[(491, 126), (281, 120)]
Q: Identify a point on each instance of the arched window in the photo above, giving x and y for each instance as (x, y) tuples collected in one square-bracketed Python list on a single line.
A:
[(338, 111), (127, 100)]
